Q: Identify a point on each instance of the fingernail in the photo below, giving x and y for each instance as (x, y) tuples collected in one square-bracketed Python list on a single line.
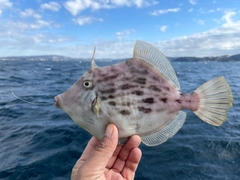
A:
[(109, 130)]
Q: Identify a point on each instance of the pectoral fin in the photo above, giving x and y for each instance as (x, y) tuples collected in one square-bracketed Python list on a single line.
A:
[(96, 106)]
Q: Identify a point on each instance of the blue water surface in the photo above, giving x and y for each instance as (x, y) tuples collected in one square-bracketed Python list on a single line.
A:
[(42, 142)]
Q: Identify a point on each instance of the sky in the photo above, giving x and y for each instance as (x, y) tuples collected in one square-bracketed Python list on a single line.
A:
[(73, 27)]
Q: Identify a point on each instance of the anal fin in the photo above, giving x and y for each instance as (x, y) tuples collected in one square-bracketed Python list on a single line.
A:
[(167, 132)]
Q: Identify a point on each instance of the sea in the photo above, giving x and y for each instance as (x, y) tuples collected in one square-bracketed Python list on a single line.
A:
[(40, 142)]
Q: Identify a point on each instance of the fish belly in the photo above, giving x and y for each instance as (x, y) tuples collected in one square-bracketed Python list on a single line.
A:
[(137, 118)]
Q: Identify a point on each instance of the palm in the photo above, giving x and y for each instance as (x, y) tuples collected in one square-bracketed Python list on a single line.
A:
[(121, 165)]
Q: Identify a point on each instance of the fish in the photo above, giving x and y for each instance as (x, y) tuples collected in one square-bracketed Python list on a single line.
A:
[(141, 96)]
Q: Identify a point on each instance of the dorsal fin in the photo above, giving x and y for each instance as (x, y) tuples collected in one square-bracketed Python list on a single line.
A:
[(93, 64), (154, 57)]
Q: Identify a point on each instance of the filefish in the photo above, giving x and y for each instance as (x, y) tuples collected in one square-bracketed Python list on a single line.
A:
[(141, 96)]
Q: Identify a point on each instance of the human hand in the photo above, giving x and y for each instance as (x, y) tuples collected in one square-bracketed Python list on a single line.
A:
[(106, 160)]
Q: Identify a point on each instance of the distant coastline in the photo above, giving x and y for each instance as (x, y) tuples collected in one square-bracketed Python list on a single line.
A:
[(224, 58)]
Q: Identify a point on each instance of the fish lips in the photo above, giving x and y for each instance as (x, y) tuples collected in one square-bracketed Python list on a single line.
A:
[(57, 101)]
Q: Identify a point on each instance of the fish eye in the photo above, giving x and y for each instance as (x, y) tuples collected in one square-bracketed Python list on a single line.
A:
[(87, 84)]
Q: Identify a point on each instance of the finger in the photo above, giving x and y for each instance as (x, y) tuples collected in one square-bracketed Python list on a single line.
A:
[(131, 164), (114, 157), (104, 150), (123, 155)]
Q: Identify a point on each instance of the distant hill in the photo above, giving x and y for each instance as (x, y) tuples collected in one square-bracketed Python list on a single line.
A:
[(173, 59), (39, 58), (211, 58)]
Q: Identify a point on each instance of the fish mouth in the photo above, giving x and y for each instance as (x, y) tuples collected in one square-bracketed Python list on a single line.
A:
[(57, 101)]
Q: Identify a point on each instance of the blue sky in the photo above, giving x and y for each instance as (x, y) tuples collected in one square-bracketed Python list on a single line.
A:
[(73, 27)]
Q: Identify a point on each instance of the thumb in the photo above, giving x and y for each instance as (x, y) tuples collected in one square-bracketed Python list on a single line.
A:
[(104, 150)]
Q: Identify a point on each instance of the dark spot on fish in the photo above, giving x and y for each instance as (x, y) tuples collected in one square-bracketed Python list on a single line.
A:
[(139, 93), (110, 84), (108, 91), (141, 80), (99, 80), (163, 100), (179, 101), (145, 110), (167, 88), (125, 112), (142, 86), (112, 103), (127, 86), (103, 98), (127, 78), (148, 100), (155, 88), (128, 62), (111, 97), (111, 77), (107, 78), (155, 78)]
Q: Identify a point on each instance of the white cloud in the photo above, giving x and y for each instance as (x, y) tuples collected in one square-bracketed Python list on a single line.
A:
[(86, 20), (76, 6), (53, 6), (122, 34), (193, 2), (10, 28), (163, 28), (218, 41), (199, 21), (164, 11), (30, 13), (204, 11), (4, 4), (39, 24), (228, 19)]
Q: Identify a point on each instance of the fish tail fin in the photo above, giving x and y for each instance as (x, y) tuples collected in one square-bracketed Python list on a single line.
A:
[(215, 98)]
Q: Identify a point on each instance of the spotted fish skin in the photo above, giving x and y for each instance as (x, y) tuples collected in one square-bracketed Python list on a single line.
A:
[(139, 99), (133, 92)]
